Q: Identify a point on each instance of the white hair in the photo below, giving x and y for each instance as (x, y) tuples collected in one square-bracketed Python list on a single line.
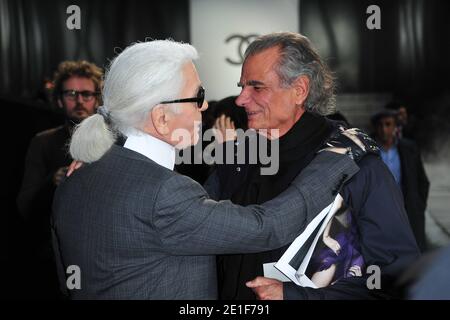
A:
[(138, 79)]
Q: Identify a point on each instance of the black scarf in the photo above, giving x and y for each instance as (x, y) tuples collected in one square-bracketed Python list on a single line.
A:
[(297, 148)]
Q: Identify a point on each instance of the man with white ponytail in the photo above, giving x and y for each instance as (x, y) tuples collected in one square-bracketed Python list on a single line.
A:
[(134, 227)]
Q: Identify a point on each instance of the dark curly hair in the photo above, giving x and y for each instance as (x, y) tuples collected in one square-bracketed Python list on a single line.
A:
[(82, 69)]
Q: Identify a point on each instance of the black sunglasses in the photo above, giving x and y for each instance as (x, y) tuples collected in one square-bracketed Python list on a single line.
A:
[(199, 99)]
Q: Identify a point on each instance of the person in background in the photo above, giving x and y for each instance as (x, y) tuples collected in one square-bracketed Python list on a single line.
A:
[(405, 122), (403, 158), (76, 91)]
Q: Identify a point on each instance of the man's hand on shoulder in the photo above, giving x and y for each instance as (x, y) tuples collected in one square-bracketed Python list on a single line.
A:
[(75, 165), (353, 142)]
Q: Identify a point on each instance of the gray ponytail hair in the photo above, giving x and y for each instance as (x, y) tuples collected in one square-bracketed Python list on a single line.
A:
[(138, 79), (91, 139)]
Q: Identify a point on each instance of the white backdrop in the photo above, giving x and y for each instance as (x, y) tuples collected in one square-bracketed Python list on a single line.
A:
[(214, 21)]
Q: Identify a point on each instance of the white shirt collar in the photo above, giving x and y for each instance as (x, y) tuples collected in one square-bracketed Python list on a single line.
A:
[(153, 148)]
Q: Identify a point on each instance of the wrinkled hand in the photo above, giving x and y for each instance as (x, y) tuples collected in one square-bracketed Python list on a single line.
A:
[(266, 288), (75, 165), (224, 129), (353, 142), (355, 271), (59, 175)]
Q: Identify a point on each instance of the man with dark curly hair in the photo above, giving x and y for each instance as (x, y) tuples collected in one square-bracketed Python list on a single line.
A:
[(77, 86)]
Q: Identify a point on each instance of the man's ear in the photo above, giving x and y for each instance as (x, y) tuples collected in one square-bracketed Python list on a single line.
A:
[(301, 87), (60, 104), (160, 120)]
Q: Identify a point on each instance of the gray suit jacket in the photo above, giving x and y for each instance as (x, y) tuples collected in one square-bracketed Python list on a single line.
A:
[(137, 230)]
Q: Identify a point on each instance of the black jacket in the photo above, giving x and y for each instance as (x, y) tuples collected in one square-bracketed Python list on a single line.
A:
[(415, 187), (46, 154), (375, 199)]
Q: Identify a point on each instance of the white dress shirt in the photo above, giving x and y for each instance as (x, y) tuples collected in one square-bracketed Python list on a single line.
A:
[(155, 149)]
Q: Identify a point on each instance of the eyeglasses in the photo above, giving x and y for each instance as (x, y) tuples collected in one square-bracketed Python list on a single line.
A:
[(199, 99), (73, 95)]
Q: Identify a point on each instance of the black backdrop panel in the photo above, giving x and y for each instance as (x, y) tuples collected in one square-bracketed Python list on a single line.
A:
[(34, 36)]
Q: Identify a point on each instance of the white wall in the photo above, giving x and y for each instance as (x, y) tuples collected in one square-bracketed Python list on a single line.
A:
[(213, 21)]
